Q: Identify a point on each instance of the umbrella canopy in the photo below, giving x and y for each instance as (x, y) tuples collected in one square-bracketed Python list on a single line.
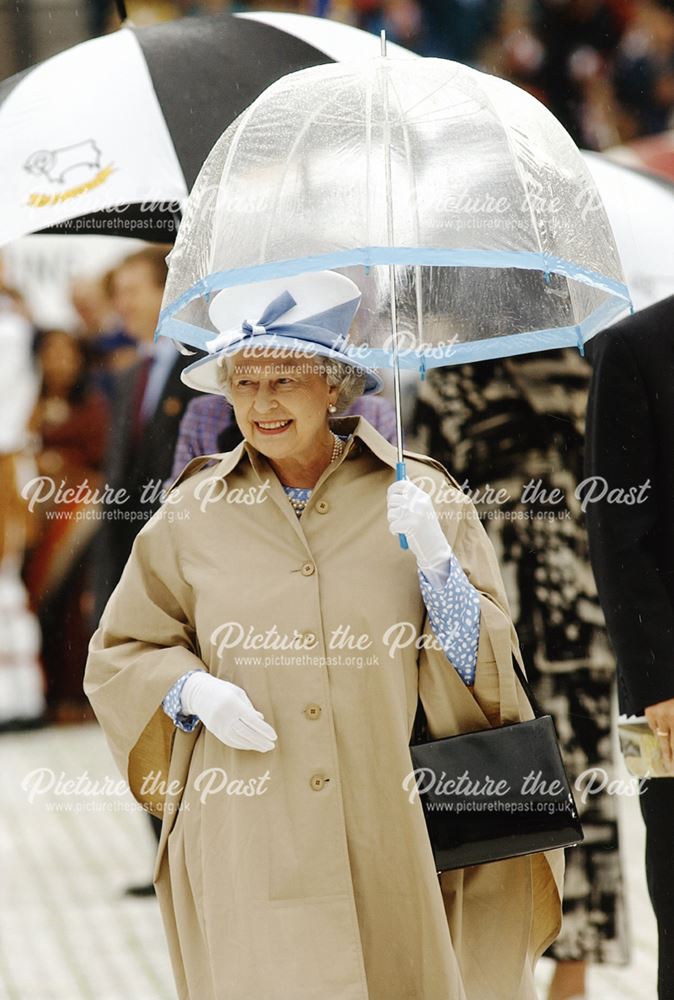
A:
[(109, 136), (640, 209), (464, 184)]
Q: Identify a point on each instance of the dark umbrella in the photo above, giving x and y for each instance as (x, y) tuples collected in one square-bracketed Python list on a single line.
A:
[(109, 136)]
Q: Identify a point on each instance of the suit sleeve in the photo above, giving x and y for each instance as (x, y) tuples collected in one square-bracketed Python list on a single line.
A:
[(187, 445), (621, 453)]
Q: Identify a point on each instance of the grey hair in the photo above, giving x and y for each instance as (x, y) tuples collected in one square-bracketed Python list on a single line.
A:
[(347, 379)]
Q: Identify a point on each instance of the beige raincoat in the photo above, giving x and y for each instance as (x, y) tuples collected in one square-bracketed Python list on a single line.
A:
[(306, 873)]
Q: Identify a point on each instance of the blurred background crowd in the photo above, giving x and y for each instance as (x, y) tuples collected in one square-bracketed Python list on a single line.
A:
[(70, 380)]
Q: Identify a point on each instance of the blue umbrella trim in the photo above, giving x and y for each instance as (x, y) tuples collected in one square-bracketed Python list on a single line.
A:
[(519, 343)]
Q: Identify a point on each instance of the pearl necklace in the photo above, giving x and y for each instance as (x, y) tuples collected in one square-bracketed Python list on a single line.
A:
[(298, 505), (337, 448)]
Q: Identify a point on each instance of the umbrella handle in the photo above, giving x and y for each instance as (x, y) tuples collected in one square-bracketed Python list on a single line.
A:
[(401, 474)]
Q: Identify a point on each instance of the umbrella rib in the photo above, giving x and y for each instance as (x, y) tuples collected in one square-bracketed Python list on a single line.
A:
[(408, 157), (302, 132), (415, 209), (234, 145), (506, 130), (368, 158)]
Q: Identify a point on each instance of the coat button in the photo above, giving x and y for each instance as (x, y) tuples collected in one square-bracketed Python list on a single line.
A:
[(313, 711), (318, 781), (322, 506), (308, 569)]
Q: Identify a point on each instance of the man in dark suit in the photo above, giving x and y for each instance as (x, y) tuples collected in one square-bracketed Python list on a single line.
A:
[(630, 449), (148, 404)]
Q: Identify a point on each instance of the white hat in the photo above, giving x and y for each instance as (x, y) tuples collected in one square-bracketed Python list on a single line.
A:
[(307, 313)]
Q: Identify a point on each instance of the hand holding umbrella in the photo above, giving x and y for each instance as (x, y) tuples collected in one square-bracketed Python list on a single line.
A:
[(411, 513)]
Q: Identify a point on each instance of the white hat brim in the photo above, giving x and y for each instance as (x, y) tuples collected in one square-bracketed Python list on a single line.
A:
[(202, 375)]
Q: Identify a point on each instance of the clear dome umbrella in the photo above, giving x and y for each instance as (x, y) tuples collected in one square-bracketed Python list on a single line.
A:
[(455, 200)]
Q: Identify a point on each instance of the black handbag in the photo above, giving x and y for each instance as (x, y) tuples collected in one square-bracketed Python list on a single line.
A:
[(496, 793)]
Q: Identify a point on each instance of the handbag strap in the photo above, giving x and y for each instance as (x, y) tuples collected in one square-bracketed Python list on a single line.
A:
[(526, 687), (420, 727)]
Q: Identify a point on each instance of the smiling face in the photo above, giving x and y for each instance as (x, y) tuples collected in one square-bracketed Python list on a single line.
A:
[(281, 403)]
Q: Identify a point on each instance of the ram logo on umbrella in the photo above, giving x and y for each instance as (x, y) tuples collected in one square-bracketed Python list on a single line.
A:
[(54, 164)]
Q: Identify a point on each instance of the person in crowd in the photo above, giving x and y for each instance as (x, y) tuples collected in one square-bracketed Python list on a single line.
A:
[(91, 300), (111, 347), (148, 404), (260, 892), (70, 426), (630, 466), (22, 703), (209, 426), (512, 431)]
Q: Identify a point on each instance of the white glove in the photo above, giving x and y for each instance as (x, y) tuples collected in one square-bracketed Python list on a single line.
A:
[(411, 513), (227, 712)]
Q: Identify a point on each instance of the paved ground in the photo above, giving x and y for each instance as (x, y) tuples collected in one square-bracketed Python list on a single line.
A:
[(68, 933)]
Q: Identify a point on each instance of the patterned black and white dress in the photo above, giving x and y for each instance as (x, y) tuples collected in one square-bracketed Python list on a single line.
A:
[(516, 426)]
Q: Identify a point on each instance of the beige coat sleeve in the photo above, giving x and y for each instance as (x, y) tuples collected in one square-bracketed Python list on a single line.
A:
[(144, 643)]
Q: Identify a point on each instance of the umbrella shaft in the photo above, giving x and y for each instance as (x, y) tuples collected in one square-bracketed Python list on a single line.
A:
[(391, 270), (396, 366)]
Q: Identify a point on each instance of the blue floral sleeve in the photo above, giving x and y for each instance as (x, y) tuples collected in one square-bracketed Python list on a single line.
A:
[(173, 706), (454, 614)]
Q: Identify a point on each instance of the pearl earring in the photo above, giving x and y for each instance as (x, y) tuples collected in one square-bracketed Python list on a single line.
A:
[(332, 408)]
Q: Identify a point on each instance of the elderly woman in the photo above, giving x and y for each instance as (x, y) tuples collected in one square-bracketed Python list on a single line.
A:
[(257, 672)]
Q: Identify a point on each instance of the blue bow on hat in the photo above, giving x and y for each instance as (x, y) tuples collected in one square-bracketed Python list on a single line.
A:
[(328, 328)]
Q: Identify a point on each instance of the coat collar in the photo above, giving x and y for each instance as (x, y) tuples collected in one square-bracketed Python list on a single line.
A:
[(363, 437)]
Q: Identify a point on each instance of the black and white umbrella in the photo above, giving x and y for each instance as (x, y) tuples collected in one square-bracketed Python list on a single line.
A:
[(108, 137)]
